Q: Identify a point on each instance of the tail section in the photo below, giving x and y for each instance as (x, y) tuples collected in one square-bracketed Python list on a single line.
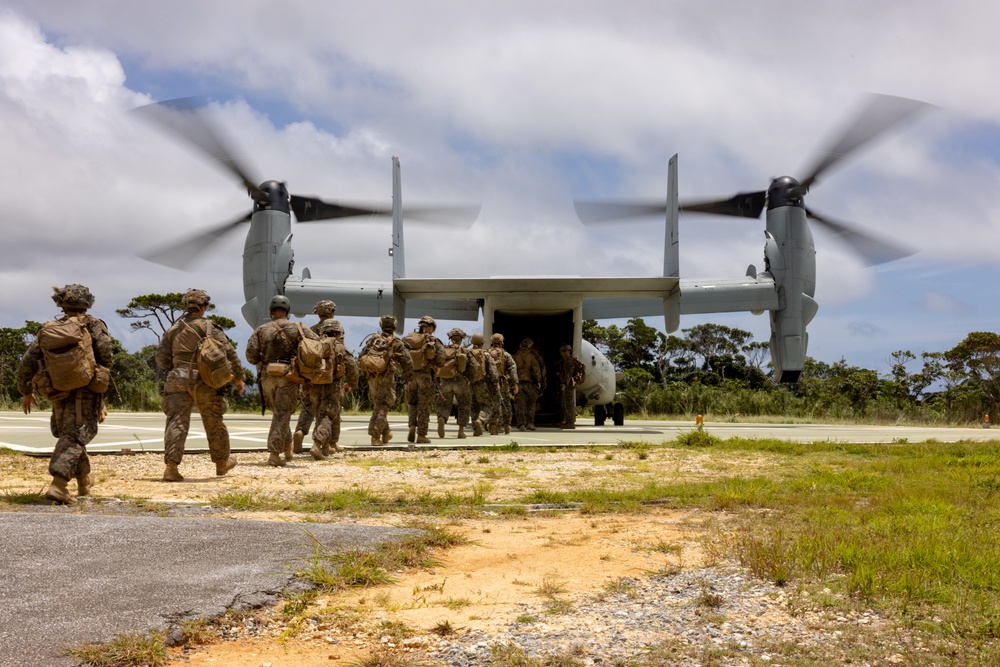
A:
[(398, 255), (671, 259)]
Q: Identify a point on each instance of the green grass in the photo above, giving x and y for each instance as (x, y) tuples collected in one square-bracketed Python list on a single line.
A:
[(124, 651)]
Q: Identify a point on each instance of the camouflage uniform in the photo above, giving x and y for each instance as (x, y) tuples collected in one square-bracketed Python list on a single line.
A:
[(75, 414), (531, 379), (507, 372), (485, 387), (325, 399), (382, 386), (325, 310), (421, 390), (272, 343), (571, 373), (456, 389), (184, 388)]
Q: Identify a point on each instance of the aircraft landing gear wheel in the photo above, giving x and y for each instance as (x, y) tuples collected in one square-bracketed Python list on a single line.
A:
[(600, 414), (618, 415)]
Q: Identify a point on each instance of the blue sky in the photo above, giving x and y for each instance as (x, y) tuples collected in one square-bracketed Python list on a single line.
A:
[(521, 106)]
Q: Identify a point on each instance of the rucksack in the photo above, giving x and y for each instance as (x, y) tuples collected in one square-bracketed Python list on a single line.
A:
[(522, 359), (213, 362), (480, 355), (498, 360), (313, 359), (421, 348), (454, 362), (68, 351), (376, 357)]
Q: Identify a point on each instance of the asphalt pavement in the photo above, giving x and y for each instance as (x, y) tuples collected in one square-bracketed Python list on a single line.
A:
[(67, 579)]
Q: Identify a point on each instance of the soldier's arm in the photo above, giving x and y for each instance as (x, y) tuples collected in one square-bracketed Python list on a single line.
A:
[(350, 369), (491, 369), (164, 353), (402, 356), (253, 348), (102, 340), (30, 364), (471, 364)]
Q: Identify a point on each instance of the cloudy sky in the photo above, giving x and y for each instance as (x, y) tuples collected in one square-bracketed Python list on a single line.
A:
[(521, 106)]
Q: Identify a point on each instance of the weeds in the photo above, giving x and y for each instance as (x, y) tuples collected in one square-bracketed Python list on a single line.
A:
[(124, 651)]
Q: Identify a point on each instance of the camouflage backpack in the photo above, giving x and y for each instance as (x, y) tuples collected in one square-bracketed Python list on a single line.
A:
[(480, 355), (376, 357), (522, 359), (312, 360), (213, 362), (498, 360), (454, 362), (68, 352), (421, 348)]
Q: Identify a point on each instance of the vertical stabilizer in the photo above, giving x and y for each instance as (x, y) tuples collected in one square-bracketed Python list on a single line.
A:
[(398, 257), (671, 255)]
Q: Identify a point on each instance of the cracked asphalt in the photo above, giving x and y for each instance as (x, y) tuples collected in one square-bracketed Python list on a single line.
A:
[(67, 579)]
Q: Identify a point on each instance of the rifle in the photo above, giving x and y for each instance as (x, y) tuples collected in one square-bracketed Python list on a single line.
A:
[(260, 388)]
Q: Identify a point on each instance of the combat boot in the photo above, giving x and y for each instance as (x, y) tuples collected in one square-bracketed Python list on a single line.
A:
[(441, 421), (506, 429), (222, 467), (477, 427), (531, 427), (317, 452), (423, 440), (386, 436), (58, 493), (494, 429), (461, 431), (376, 441), (412, 435), (172, 474), (297, 438), (83, 484), (274, 459), (331, 448), (289, 454)]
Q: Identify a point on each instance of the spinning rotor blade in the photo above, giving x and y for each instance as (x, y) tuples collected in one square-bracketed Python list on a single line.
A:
[(182, 254), (184, 119), (882, 112), (311, 209), (742, 205), (872, 249)]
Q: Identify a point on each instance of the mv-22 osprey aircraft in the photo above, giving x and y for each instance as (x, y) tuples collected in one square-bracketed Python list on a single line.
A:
[(548, 309)]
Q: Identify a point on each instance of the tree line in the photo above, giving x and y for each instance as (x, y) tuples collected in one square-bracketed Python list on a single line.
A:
[(710, 369)]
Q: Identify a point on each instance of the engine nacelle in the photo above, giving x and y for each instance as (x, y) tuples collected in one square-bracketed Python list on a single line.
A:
[(267, 263)]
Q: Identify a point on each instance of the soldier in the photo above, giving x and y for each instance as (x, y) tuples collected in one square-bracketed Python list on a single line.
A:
[(507, 373), (485, 387), (531, 380), (176, 355), (324, 399), (456, 373), (271, 348), (381, 354), (571, 373), (77, 411), (325, 309), (426, 353)]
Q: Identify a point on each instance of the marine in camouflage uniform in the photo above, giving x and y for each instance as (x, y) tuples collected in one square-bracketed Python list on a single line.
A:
[(571, 373), (75, 414), (184, 388), (531, 380), (325, 309), (426, 353), (325, 399), (485, 386), (507, 372), (457, 388), (276, 343), (382, 386)]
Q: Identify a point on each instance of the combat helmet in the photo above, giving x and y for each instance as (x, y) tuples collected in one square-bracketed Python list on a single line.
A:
[(496, 339), (325, 307), (194, 299), (387, 323), (566, 348), (427, 320), (280, 301), (478, 339), (527, 342), (331, 328), (456, 333), (73, 297)]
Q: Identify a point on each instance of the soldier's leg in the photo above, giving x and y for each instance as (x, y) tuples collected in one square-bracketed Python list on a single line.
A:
[(412, 399), (463, 397), (530, 405), (303, 422), (177, 408), (333, 442), (75, 421), (425, 399), (385, 398), (212, 407), (286, 397)]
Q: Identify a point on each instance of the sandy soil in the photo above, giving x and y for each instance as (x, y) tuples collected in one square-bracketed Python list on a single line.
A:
[(482, 585)]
